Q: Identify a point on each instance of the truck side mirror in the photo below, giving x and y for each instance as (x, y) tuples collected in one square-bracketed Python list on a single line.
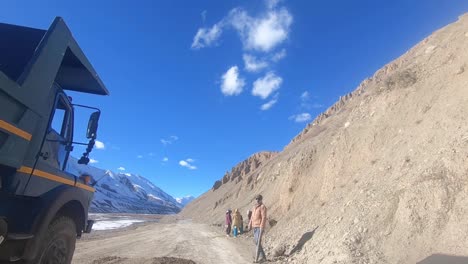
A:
[(93, 125)]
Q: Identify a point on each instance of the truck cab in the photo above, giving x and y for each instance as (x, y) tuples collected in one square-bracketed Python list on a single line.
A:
[(43, 207)]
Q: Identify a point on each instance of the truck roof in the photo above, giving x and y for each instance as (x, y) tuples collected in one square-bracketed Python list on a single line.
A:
[(21, 49)]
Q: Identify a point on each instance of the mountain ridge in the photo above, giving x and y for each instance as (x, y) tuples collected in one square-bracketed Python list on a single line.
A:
[(125, 192)]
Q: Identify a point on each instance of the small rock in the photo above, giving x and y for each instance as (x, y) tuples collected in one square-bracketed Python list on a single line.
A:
[(360, 229), (279, 251), (356, 239), (356, 221), (332, 236), (466, 34), (460, 70), (430, 49)]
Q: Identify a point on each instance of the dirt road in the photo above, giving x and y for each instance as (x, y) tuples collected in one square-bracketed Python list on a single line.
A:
[(199, 243)]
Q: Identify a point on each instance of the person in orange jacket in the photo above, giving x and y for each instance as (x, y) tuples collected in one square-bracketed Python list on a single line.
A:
[(257, 222)]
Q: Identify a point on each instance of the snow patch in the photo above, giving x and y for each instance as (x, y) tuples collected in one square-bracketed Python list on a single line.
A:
[(115, 224), (154, 197)]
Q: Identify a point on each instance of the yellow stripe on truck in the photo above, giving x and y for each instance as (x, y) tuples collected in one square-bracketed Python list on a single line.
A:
[(84, 186), (54, 178), (14, 130)]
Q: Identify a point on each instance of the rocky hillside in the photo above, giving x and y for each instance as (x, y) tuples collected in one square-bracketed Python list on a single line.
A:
[(380, 177), (244, 169)]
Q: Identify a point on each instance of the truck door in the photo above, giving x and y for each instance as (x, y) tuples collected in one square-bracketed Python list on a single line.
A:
[(50, 168)]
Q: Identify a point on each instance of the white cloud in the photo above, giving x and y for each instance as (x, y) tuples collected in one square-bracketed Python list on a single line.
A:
[(170, 140), (203, 15), (190, 160), (165, 159), (278, 55), (121, 168), (252, 64), (186, 163), (317, 105), (272, 3), (231, 83), (306, 101), (99, 144), (268, 105), (262, 33), (206, 37), (92, 161), (110, 145), (151, 154), (263, 87), (299, 118), (140, 156)]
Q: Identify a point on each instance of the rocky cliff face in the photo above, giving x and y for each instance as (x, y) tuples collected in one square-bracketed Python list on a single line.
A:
[(380, 177), (244, 169)]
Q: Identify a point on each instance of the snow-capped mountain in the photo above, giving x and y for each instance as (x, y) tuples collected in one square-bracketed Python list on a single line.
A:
[(125, 192), (185, 200)]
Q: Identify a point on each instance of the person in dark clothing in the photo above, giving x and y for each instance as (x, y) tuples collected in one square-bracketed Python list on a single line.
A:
[(228, 222), (249, 215), (241, 228)]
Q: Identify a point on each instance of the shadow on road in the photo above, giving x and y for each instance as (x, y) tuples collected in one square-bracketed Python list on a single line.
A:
[(444, 259)]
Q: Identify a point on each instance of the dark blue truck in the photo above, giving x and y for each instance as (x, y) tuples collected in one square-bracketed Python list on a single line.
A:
[(43, 207)]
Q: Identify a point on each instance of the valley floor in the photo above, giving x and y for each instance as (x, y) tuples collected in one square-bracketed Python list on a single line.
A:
[(163, 242)]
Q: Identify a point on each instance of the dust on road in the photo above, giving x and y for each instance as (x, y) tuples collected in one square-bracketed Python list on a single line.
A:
[(183, 242)]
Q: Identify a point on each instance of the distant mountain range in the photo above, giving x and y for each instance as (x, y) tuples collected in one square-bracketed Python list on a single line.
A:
[(127, 192), (185, 200)]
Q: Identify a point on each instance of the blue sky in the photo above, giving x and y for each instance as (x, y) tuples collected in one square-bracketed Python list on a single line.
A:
[(198, 86)]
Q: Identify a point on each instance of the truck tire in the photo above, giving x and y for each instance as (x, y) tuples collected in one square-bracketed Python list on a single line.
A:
[(59, 242)]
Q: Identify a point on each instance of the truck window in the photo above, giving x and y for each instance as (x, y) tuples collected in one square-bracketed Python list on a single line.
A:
[(61, 120), (60, 133)]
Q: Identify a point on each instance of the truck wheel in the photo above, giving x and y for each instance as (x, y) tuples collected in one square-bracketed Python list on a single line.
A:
[(59, 242)]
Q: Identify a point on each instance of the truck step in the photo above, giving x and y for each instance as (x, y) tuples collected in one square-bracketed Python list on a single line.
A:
[(14, 236)]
